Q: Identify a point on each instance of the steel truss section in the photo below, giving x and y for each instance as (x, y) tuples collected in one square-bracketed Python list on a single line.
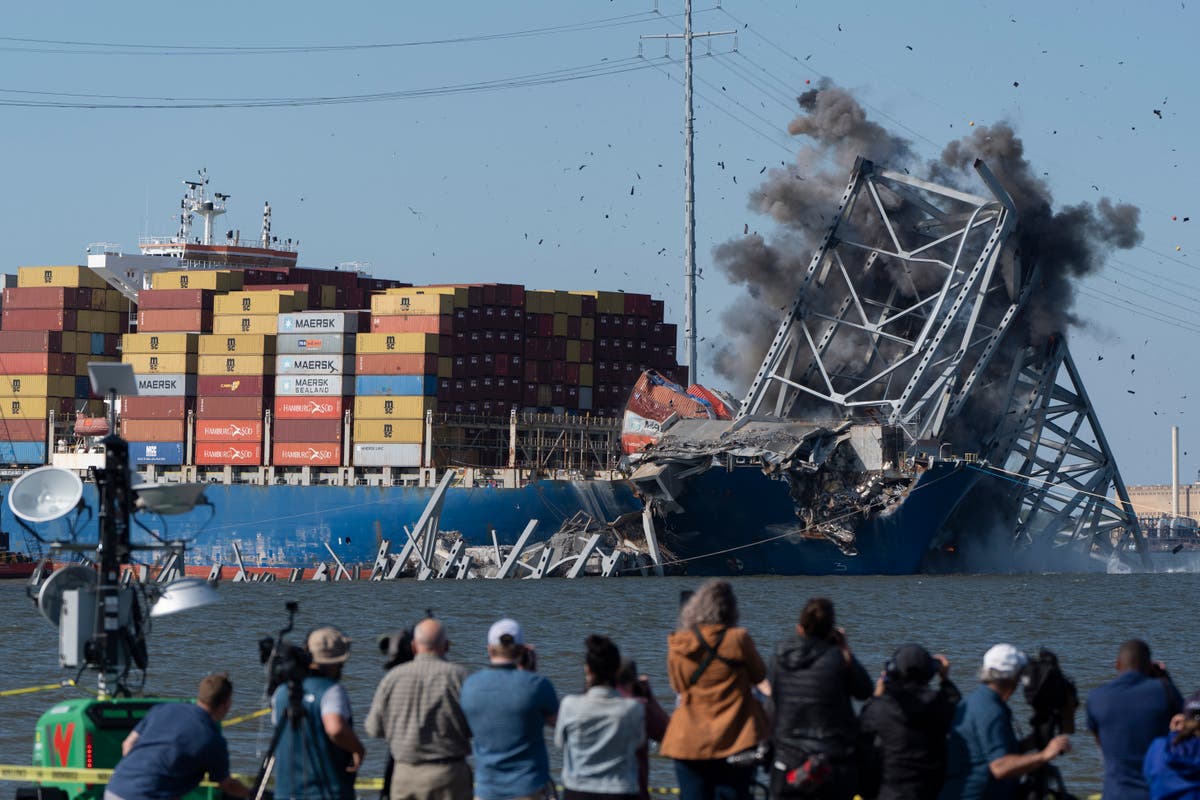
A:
[(901, 307), (1064, 474)]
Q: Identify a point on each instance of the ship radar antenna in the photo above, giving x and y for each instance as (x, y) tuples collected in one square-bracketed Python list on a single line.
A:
[(266, 226), (196, 202)]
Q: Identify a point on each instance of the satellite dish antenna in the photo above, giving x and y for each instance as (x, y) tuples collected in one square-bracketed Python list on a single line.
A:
[(49, 599), (184, 595), (45, 494), (168, 498)]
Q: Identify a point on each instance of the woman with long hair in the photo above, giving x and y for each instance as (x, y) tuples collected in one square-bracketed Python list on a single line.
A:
[(713, 667)]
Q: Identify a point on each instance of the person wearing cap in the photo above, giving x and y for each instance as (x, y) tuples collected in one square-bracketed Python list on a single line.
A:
[(416, 708), (175, 745), (1172, 763), (983, 759), (507, 708), (1127, 713), (907, 721), (318, 759)]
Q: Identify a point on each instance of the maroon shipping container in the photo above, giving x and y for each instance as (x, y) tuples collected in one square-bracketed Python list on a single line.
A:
[(191, 299), (167, 320), (233, 385), (230, 407), (38, 319), (37, 363), (57, 297), (152, 430), (266, 276), (154, 407), (307, 430), (30, 341), (22, 430)]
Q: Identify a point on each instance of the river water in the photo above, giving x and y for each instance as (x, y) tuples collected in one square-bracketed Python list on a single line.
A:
[(1081, 617)]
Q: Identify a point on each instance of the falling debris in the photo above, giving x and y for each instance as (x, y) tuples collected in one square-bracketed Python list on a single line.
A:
[(1158, 113)]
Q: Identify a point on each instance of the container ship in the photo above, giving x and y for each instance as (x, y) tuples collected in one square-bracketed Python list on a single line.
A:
[(322, 405)]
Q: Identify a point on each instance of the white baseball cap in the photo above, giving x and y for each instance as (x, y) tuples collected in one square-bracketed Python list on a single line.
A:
[(505, 627), (1003, 661)]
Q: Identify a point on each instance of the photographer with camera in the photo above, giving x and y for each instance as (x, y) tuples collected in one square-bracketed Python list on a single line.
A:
[(983, 755), (1127, 713), (1172, 764), (631, 684), (317, 758)]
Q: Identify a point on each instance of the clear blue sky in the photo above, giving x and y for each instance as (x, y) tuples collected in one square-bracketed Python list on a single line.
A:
[(532, 184)]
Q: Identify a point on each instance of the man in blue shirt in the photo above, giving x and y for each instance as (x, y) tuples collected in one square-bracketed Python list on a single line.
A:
[(1127, 714), (175, 745), (507, 709), (983, 762)]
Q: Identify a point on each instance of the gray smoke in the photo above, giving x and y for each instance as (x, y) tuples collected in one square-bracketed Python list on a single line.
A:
[(1065, 244)]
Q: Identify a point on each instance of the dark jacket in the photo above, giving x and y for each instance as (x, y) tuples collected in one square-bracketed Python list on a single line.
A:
[(811, 686), (907, 726)]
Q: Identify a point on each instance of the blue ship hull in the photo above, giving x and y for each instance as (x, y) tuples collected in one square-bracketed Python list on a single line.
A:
[(743, 522)]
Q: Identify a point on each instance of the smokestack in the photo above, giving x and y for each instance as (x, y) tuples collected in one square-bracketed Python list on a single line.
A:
[(1174, 472)]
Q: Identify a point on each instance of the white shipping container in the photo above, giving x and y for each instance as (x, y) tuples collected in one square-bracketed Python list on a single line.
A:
[(314, 364), (294, 385), (298, 343), (387, 455), (319, 322), (169, 385)]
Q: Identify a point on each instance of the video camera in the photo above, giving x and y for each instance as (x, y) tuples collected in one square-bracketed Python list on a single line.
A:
[(1054, 699)]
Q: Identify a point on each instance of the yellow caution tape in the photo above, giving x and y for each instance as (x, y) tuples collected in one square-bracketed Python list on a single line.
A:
[(31, 689), (245, 717)]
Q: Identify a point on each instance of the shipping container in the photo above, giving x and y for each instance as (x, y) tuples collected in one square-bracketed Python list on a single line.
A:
[(295, 385), (226, 453), (367, 407), (235, 365), (174, 319), (221, 280), (152, 430), (309, 407), (316, 364), (39, 319), (232, 386), (242, 344), (22, 430), (154, 407), (229, 430), (298, 343), (12, 452), (174, 385), (379, 430), (395, 304), (307, 430), (306, 454), (225, 324), (189, 299), (387, 455), (37, 363), (395, 385), (442, 324), (33, 342), (229, 407), (159, 342), (72, 276), (34, 385), (167, 363), (319, 322), (255, 303), (399, 364), (168, 453), (368, 343), (57, 297)]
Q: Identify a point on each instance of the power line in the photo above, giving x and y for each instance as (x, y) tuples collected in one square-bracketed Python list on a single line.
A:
[(1143, 311)]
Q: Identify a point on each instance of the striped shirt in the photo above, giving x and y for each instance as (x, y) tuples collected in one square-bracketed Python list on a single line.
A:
[(416, 708)]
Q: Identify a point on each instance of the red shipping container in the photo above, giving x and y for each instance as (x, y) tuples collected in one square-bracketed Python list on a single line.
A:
[(23, 430), (56, 297), (152, 430), (307, 430), (233, 385), (587, 352), (396, 364), (154, 407), (30, 341), (287, 408), (572, 374), (38, 319), (259, 276), (229, 407), (414, 323), (558, 349), (157, 299), (166, 320), (501, 365), (306, 454), (37, 363), (229, 430), (657, 309), (222, 453)]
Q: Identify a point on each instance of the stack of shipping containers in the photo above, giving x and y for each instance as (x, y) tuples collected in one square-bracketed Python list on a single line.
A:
[(630, 337), (314, 379), (153, 421)]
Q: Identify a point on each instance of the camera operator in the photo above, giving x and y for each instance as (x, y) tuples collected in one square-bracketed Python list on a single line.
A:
[(318, 760), (1127, 713)]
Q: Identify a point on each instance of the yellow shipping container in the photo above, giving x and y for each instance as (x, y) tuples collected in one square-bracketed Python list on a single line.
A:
[(572, 351), (328, 297), (115, 301), (445, 368), (587, 375), (30, 407), (560, 324), (610, 303), (539, 302), (459, 293), (159, 342), (406, 431), (236, 365), (71, 277), (112, 322), (74, 342), (221, 280), (81, 363), (568, 303), (587, 329), (237, 344), (265, 302), (373, 343), (166, 364), (37, 385), (403, 304), (393, 407), (253, 323)]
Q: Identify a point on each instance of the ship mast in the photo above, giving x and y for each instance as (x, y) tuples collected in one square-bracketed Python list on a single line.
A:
[(196, 202)]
